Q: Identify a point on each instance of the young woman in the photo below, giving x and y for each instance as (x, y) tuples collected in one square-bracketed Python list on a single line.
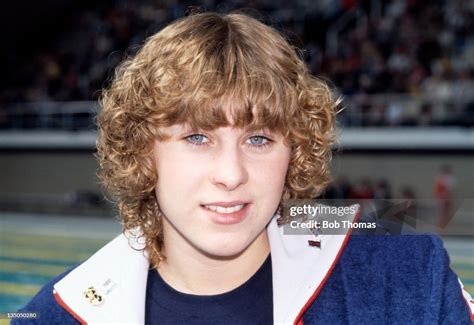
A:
[(202, 135)]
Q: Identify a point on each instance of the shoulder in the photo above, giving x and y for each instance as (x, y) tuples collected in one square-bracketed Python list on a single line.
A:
[(422, 249), (46, 307), (411, 273), (411, 259)]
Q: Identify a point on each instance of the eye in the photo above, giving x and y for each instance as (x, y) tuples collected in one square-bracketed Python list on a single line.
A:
[(197, 139), (258, 141)]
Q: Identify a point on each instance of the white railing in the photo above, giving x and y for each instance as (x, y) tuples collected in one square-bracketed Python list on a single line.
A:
[(378, 110), (68, 116)]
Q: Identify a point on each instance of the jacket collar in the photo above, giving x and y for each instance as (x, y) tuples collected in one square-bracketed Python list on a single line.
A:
[(118, 273)]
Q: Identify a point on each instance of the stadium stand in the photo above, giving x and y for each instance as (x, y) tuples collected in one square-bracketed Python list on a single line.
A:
[(418, 54)]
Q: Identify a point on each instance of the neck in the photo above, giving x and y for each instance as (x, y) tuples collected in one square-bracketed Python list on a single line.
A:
[(202, 274)]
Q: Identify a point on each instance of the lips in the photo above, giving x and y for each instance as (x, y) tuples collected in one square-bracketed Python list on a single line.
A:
[(226, 212), (225, 204)]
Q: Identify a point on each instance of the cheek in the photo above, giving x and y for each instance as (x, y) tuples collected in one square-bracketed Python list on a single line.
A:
[(177, 175), (271, 174)]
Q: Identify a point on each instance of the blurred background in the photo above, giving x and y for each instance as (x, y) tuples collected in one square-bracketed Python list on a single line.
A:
[(405, 69)]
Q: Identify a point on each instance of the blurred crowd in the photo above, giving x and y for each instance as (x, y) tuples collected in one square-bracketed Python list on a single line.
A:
[(363, 47), (376, 193), (415, 46), (364, 189)]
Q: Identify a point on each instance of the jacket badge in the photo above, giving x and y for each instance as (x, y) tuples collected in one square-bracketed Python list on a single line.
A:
[(315, 243), (93, 297), (316, 230)]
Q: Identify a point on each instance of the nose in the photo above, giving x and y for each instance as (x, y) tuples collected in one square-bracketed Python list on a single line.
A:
[(228, 170)]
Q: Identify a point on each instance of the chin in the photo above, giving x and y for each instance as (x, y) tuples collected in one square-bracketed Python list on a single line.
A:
[(225, 250)]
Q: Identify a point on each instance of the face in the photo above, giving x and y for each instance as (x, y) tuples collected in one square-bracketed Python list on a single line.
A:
[(218, 189)]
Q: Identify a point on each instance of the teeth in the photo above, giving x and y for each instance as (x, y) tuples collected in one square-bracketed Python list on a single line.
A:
[(223, 209)]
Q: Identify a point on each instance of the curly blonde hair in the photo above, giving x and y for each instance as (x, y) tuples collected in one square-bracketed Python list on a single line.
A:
[(190, 72)]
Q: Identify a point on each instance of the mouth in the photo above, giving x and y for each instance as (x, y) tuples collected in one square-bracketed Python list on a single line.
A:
[(227, 212)]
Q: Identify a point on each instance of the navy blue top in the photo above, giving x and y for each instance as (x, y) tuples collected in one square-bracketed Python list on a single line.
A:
[(250, 303)]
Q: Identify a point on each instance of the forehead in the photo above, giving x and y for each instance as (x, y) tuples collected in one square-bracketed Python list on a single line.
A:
[(182, 129), (198, 113)]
